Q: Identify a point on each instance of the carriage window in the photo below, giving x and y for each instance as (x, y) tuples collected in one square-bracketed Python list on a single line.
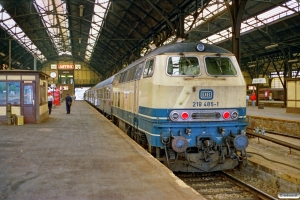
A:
[(219, 66), (149, 67), (183, 66)]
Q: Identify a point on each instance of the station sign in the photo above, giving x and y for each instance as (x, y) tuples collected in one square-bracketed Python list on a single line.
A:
[(258, 81), (53, 66), (77, 66), (64, 67)]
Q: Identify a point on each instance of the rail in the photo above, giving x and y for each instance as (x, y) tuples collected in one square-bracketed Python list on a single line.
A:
[(257, 192), (221, 185), (280, 142)]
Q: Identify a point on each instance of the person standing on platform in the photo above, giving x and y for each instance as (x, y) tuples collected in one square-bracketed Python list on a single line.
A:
[(74, 98), (68, 103), (253, 98), (247, 99), (50, 102)]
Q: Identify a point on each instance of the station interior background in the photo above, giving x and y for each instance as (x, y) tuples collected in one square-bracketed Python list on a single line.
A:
[(99, 38)]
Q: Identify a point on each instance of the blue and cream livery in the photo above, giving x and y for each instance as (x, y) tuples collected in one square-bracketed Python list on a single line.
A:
[(185, 103)]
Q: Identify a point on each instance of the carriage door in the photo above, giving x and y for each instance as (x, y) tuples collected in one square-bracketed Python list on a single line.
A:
[(28, 102), (136, 97)]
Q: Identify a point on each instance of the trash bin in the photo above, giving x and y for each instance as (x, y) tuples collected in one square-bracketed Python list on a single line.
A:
[(261, 106), (19, 120)]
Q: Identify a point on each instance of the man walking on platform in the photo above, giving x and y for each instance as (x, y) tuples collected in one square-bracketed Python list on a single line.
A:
[(50, 102), (68, 103)]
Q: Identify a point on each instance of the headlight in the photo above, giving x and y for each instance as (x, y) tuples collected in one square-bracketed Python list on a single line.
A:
[(234, 115), (174, 116)]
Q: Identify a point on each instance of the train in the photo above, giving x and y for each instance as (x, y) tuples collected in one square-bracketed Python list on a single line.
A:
[(183, 102)]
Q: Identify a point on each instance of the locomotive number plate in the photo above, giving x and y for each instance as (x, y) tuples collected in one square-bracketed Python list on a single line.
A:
[(206, 104)]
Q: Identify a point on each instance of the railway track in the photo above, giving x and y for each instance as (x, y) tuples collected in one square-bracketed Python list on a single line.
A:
[(276, 133), (219, 185)]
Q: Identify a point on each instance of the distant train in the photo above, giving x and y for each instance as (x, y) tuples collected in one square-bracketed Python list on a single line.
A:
[(184, 103)]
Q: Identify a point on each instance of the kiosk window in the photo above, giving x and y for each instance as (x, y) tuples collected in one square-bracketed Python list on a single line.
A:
[(13, 93)]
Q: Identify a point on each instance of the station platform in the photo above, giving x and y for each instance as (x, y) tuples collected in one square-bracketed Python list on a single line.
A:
[(81, 155)]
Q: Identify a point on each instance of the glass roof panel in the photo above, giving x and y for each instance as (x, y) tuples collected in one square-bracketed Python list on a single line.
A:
[(214, 7), (100, 12), (8, 24), (54, 15), (289, 8)]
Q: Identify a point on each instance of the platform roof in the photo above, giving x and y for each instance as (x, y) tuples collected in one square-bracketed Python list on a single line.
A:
[(108, 34)]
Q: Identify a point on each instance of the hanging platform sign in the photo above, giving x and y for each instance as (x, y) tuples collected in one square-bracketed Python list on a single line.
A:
[(64, 67), (53, 66), (258, 81)]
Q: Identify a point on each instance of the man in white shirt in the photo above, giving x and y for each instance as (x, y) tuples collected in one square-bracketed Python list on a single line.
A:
[(50, 102)]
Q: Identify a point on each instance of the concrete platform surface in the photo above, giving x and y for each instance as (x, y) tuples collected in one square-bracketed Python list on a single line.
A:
[(81, 156), (272, 112)]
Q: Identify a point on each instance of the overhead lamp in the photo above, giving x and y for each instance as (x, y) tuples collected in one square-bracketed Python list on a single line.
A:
[(251, 66), (294, 60), (271, 46), (81, 10), (152, 46), (180, 39)]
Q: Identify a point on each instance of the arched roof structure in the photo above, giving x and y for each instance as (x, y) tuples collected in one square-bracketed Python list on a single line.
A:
[(108, 34)]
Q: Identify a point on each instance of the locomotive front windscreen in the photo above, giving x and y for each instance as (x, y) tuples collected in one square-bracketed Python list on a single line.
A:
[(219, 66), (183, 66)]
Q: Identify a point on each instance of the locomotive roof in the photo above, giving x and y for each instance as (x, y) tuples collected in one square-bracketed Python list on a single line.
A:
[(182, 47), (179, 47)]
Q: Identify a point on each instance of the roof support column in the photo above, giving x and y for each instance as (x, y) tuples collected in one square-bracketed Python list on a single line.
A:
[(236, 11), (9, 54), (34, 63), (180, 30)]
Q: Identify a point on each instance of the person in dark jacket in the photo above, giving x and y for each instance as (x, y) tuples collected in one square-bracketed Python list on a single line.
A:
[(68, 103)]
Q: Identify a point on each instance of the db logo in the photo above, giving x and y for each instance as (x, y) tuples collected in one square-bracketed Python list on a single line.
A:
[(206, 94)]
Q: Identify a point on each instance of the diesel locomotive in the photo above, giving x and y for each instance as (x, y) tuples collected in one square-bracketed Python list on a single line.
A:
[(183, 102)]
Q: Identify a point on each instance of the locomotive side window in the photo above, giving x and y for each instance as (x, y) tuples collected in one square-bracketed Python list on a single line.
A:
[(123, 77), (149, 67), (131, 73), (183, 66), (138, 71), (219, 66), (116, 79)]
